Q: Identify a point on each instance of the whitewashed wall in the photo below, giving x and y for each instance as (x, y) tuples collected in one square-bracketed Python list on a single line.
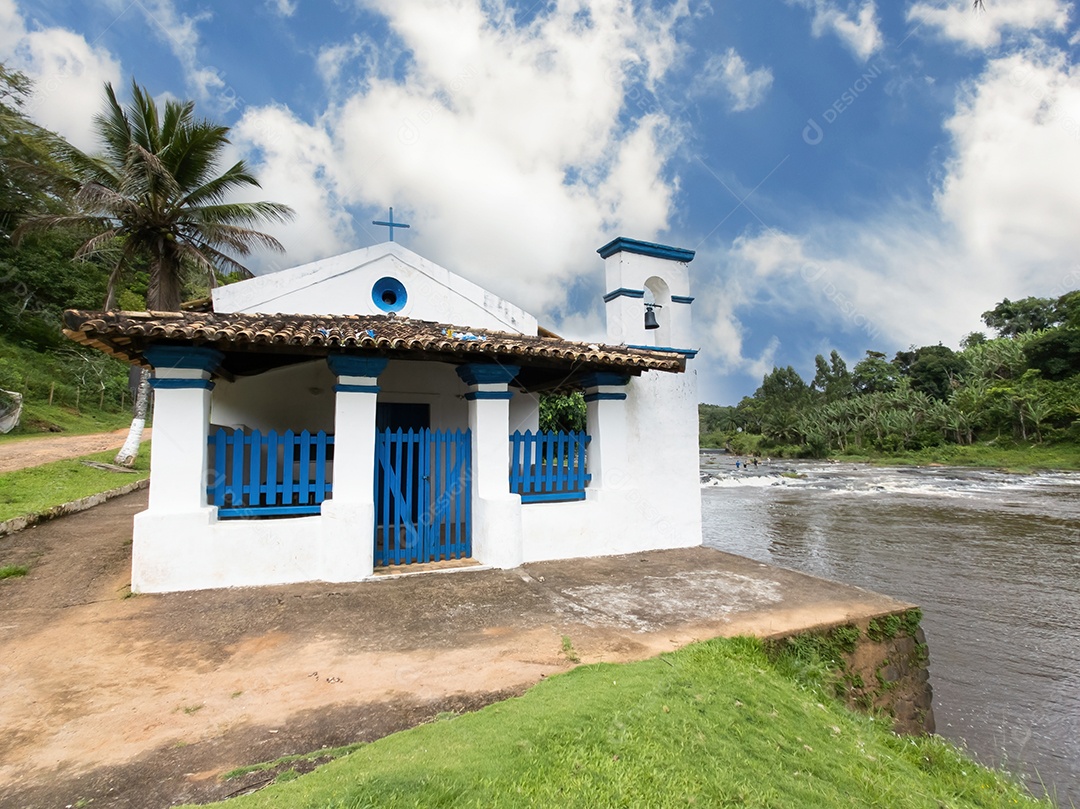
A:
[(524, 412), (655, 504), (342, 285), (432, 383), (296, 397)]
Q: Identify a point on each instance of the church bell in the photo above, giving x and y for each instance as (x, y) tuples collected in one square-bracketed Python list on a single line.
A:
[(650, 316)]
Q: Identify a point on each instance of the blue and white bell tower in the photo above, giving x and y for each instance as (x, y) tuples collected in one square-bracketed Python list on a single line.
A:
[(648, 306), (643, 277)]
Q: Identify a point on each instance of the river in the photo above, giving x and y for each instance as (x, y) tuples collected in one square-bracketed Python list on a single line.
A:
[(992, 558)]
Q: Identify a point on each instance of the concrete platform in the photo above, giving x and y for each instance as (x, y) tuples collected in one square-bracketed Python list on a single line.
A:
[(93, 683)]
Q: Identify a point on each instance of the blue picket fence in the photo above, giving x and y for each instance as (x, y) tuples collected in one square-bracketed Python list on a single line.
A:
[(548, 466), (423, 509), (257, 475)]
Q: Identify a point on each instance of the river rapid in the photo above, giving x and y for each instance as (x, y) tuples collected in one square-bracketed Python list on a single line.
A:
[(992, 558)]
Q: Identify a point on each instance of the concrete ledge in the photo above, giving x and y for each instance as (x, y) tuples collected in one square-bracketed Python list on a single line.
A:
[(83, 503)]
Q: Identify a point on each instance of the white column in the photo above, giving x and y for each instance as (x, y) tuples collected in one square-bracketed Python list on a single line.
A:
[(605, 399), (496, 528), (349, 515), (169, 537), (178, 453)]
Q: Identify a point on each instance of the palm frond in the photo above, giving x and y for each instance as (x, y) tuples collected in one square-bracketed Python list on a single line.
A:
[(194, 154), (95, 244), (143, 114), (47, 222), (216, 189), (152, 179), (113, 128), (240, 213), (107, 202), (177, 117), (237, 239), (224, 263)]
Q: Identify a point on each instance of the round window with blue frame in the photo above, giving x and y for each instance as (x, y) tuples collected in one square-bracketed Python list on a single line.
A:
[(389, 294)]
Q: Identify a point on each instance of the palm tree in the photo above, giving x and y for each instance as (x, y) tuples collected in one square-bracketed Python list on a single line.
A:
[(154, 196), (31, 180)]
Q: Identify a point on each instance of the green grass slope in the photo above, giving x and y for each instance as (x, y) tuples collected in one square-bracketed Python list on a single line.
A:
[(715, 724), (87, 388), (40, 488)]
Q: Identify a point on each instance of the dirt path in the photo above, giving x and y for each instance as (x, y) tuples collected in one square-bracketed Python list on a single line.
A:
[(34, 451), (146, 701)]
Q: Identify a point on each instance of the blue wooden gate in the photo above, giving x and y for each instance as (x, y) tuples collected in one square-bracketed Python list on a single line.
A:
[(422, 496), (549, 466), (257, 475)]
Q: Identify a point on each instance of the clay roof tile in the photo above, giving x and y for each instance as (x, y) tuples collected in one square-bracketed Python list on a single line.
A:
[(126, 335)]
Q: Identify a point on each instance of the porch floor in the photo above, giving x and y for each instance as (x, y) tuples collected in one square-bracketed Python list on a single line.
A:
[(144, 701), (426, 567)]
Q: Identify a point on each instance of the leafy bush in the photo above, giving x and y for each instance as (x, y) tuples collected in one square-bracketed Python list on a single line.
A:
[(563, 412)]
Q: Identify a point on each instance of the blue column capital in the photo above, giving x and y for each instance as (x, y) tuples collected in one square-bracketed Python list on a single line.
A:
[(356, 365), (598, 378), (487, 373), (180, 384), (199, 358)]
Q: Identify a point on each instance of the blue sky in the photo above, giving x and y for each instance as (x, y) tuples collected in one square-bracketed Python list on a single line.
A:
[(852, 175)]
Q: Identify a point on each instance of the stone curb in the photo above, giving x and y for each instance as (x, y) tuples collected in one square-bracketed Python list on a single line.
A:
[(75, 506)]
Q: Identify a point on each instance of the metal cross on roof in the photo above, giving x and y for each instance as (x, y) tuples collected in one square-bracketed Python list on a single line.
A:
[(391, 224)]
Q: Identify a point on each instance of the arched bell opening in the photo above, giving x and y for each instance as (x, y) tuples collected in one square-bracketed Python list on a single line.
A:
[(657, 314)]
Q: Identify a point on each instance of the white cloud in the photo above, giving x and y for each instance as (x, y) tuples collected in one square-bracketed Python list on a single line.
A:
[(496, 131), (727, 73), (180, 33), (286, 8), (1010, 190), (986, 29), (293, 166), (856, 26), (68, 74), (346, 67), (1003, 224), (12, 26)]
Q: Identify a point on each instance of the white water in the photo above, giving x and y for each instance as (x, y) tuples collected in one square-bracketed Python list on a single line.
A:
[(993, 559)]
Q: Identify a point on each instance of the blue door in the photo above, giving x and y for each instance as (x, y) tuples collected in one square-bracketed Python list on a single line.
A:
[(404, 416), (422, 496)]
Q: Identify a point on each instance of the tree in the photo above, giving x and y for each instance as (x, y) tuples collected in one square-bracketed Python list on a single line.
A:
[(784, 397), (1068, 309), (713, 418), (935, 371), (832, 378), (974, 338), (1001, 358), (1011, 318), (38, 281), (1056, 353), (874, 374), (155, 195), (31, 178)]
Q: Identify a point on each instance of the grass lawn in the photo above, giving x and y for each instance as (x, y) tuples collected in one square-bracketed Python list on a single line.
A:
[(39, 488), (714, 724), (40, 419)]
